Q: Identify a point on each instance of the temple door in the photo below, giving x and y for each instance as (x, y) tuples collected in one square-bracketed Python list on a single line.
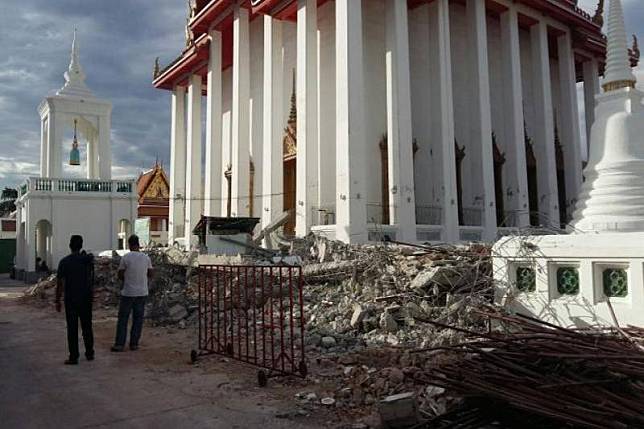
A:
[(561, 184), (384, 173), (228, 174), (460, 155), (533, 190), (499, 160), (290, 181)]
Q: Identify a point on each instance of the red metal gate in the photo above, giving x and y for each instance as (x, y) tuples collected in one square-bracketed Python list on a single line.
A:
[(254, 314)]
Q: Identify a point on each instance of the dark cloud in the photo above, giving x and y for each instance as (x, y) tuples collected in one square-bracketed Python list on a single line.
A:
[(119, 40)]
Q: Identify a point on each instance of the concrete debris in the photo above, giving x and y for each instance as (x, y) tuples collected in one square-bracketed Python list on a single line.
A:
[(399, 411), (376, 294), (328, 342), (173, 292), (365, 307)]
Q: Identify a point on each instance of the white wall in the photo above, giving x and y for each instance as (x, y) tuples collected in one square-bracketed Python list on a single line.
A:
[(326, 104), (427, 168), (373, 27), (471, 168), (256, 109), (95, 218), (526, 79), (226, 130)]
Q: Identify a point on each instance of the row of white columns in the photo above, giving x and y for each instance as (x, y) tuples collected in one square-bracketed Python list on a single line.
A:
[(351, 145)]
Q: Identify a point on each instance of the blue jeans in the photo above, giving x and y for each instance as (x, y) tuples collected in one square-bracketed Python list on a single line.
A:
[(135, 305)]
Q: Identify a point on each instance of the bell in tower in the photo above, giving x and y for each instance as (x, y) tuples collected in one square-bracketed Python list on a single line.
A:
[(74, 154)]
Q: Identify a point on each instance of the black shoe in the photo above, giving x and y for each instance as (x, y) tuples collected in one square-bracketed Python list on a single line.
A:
[(117, 349), (71, 362), (134, 347), (90, 357)]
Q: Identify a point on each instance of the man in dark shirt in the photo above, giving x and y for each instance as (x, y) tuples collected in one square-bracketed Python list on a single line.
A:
[(75, 273)]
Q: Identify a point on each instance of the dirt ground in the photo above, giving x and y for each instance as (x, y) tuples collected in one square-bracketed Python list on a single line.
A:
[(154, 387)]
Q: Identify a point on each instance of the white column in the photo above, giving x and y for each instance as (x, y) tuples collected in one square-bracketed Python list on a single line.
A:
[(273, 171), (351, 203), (544, 127), (241, 114), (104, 148), (19, 241), (481, 126), (402, 201), (591, 89), (442, 113), (307, 126), (55, 145), (177, 165), (30, 243), (44, 141), (91, 155), (194, 194), (214, 173), (513, 132), (569, 127)]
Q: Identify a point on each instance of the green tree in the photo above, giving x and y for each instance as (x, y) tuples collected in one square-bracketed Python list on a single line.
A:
[(8, 199)]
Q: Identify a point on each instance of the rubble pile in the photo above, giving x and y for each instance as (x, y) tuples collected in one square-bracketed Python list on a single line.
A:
[(384, 294), (173, 293)]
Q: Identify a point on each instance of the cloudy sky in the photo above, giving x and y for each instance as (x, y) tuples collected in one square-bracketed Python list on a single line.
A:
[(119, 40)]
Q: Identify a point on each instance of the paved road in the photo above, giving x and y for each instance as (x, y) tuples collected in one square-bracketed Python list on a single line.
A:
[(154, 387)]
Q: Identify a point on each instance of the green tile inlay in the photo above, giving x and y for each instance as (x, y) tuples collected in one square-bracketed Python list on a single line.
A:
[(615, 282), (568, 280), (526, 279)]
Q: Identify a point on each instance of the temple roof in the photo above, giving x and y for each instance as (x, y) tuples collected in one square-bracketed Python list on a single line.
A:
[(218, 14), (153, 184)]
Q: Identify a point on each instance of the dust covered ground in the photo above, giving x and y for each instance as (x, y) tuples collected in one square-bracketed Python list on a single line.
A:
[(155, 386)]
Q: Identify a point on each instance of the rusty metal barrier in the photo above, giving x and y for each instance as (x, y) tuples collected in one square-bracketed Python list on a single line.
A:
[(254, 314)]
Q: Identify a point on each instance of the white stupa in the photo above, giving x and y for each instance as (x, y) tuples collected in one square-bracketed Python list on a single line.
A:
[(570, 279), (612, 197)]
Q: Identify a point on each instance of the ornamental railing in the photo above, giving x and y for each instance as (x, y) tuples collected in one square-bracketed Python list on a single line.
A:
[(429, 215), (42, 184), (472, 217)]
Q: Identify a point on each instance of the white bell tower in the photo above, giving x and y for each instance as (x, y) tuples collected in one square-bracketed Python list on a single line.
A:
[(75, 105), (51, 208)]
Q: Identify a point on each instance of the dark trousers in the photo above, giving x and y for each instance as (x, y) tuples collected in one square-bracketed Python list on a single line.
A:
[(136, 306), (73, 312)]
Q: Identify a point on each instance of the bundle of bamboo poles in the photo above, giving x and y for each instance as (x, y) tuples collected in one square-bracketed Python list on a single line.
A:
[(544, 376)]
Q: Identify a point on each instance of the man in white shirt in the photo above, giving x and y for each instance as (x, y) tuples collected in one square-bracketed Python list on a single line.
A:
[(134, 270)]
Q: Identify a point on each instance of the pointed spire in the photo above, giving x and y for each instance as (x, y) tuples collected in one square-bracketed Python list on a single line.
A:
[(74, 72), (74, 76), (618, 72)]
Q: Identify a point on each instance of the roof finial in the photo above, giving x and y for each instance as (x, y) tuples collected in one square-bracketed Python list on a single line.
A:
[(157, 68), (618, 72), (598, 18), (292, 117), (74, 72), (634, 52)]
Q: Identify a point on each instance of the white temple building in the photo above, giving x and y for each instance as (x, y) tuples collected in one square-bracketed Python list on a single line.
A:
[(595, 274), (52, 207), (419, 120)]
